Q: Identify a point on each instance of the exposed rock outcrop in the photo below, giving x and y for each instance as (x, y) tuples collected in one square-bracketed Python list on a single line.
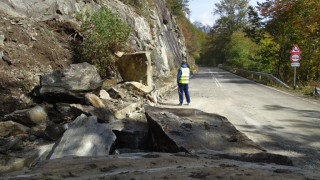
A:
[(45, 32), (136, 67)]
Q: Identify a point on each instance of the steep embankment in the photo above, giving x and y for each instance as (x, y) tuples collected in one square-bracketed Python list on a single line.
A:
[(37, 37)]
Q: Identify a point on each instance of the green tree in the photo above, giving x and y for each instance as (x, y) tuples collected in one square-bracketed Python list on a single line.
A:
[(240, 51), (178, 7), (232, 18), (233, 15), (294, 22)]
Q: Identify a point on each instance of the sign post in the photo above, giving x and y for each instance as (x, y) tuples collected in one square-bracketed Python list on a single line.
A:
[(295, 59)]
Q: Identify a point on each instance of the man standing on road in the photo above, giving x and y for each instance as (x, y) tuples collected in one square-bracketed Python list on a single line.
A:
[(183, 81)]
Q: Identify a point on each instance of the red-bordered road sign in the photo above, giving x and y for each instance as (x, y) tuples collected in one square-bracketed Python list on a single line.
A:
[(295, 49), (295, 58)]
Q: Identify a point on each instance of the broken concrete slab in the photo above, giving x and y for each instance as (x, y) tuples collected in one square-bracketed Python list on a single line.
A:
[(192, 130), (84, 137)]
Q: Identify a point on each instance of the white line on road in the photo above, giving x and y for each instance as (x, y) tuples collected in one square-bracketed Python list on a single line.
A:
[(215, 79)]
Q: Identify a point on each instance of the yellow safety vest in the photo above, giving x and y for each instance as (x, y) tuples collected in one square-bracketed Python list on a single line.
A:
[(185, 74)]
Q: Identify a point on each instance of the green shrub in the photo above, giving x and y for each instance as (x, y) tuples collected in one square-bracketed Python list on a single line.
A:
[(104, 34), (142, 7)]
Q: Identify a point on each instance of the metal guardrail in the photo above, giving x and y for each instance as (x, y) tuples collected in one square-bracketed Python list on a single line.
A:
[(264, 75)]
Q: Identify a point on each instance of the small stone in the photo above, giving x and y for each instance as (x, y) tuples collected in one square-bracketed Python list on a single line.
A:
[(33, 38), (104, 95), (37, 115), (2, 40), (119, 54), (94, 100)]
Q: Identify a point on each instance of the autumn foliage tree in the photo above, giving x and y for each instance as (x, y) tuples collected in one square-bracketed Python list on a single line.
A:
[(294, 22)]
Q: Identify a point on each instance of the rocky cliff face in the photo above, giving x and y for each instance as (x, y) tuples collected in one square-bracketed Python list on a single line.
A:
[(37, 37), (158, 32)]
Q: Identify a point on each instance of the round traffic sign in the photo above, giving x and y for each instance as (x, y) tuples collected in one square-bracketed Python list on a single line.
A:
[(295, 57)]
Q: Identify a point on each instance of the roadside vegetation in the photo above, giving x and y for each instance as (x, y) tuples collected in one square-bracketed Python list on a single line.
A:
[(195, 39), (260, 39), (104, 34)]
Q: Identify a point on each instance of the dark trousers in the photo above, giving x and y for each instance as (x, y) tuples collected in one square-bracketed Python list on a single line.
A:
[(183, 88)]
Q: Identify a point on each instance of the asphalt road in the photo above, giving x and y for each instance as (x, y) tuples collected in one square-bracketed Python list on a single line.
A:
[(280, 122)]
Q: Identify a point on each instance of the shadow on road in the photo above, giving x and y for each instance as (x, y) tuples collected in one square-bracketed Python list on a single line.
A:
[(302, 143)]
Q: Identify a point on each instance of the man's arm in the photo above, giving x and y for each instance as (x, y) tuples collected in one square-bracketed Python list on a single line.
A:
[(179, 75)]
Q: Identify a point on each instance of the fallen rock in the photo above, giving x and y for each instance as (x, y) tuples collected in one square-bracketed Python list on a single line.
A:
[(15, 162), (108, 83), (10, 128), (137, 88), (53, 131), (132, 134), (37, 115), (94, 100), (191, 130), (136, 67), (115, 94), (10, 143), (70, 84), (20, 116), (79, 109), (28, 117), (2, 38), (61, 113), (104, 115), (104, 95), (84, 137)]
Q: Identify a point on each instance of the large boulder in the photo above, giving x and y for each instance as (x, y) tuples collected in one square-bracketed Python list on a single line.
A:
[(84, 137), (136, 67), (70, 84), (191, 130)]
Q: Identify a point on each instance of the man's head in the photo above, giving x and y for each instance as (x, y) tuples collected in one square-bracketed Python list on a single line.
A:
[(183, 62)]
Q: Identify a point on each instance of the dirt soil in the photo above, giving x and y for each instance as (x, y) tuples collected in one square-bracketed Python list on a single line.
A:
[(30, 49)]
